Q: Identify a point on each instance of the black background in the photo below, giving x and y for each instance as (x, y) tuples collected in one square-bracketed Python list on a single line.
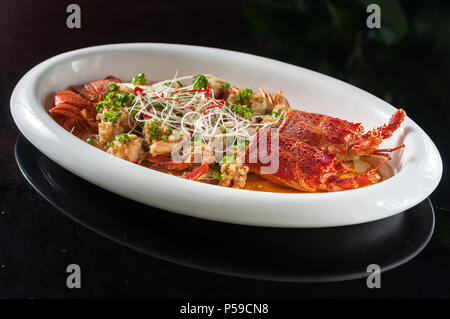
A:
[(406, 63)]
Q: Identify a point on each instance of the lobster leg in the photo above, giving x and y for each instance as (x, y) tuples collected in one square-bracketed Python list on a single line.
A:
[(336, 183), (389, 150)]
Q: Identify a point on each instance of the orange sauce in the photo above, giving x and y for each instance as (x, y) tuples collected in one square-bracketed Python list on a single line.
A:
[(257, 183)]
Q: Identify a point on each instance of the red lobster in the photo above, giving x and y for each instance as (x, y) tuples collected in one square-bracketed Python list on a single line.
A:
[(311, 147), (75, 109), (336, 136)]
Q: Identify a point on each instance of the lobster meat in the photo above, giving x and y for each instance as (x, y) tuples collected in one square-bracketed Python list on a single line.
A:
[(203, 152)]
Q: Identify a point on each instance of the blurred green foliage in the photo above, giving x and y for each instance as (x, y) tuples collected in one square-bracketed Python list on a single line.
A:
[(406, 61)]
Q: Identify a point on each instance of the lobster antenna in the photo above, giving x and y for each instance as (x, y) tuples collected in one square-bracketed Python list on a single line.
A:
[(382, 163), (389, 149)]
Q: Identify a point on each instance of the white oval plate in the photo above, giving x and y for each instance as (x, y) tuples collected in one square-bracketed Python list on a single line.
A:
[(418, 167)]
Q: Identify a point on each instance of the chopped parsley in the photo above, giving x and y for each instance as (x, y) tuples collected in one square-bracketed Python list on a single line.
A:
[(227, 159), (153, 129), (243, 95), (121, 98), (242, 110), (90, 140), (218, 176), (139, 79), (159, 105), (112, 86), (113, 100), (241, 144), (225, 86), (164, 138), (200, 82), (123, 137), (110, 144), (111, 116)]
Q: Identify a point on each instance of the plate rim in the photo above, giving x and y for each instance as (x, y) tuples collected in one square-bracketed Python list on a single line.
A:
[(24, 97)]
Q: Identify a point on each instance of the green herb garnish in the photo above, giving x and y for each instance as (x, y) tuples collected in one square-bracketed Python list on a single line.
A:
[(153, 128), (243, 95), (114, 100), (225, 86), (159, 105), (123, 137), (242, 110), (111, 116), (90, 140), (200, 82), (227, 159), (112, 86), (139, 79), (241, 144), (218, 176)]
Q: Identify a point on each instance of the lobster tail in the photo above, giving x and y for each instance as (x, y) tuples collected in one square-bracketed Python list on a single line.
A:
[(75, 109)]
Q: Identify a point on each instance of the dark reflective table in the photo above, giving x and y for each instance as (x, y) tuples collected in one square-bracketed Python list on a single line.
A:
[(405, 63), (281, 254)]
